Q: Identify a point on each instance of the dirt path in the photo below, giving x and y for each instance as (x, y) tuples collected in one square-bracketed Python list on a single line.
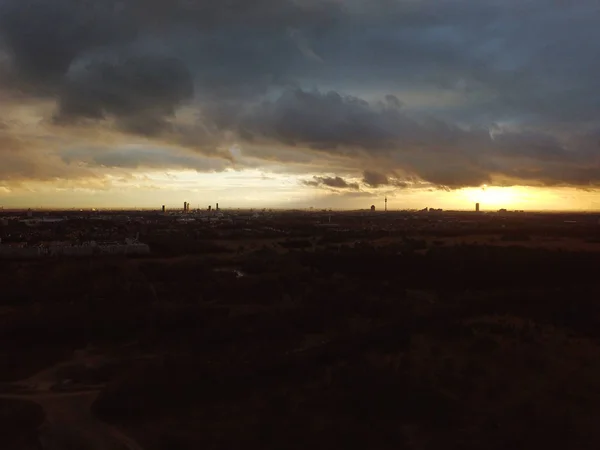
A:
[(69, 422)]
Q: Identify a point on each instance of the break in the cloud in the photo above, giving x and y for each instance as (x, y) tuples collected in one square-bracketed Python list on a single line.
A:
[(453, 93)]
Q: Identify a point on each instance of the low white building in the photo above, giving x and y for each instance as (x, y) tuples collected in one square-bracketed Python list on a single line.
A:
[(78, 250), (130, 247), (20, 252)]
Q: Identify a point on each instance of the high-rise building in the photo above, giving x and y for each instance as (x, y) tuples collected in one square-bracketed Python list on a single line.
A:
[(477, 207), (217, 206), (163, 209), (386, 202)]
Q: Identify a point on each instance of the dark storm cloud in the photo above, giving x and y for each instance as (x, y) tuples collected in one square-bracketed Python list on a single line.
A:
[(326, 121), (44, 38), (141, 92), (455, 93), (385, 137), (374, 179), (332, 182), (345, 125)]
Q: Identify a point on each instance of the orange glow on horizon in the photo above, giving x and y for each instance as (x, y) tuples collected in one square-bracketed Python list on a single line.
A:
[(255, 189)]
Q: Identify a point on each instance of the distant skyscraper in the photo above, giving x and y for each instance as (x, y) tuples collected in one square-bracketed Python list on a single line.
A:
[(184, 206), (386, 202), (217, 207), (477, 207), (209, 207), (163, 209)]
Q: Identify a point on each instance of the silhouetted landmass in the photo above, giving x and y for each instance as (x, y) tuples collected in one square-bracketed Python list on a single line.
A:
[(19, 421), (345, 339)]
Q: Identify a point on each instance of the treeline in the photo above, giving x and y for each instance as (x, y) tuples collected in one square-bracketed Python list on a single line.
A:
[(461, 266)]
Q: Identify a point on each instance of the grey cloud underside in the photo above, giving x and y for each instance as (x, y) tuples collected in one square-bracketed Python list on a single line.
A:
[(153, 158), (332, 182), (140, 92), (456, 93), (44, 38), (383, 136), (374, 179)]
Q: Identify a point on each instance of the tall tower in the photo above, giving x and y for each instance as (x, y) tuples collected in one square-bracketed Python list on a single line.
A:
[(476, 207), (163, 209), (217, 206), (386, 203)]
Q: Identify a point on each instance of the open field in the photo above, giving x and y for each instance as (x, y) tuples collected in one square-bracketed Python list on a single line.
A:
[(346, 339)]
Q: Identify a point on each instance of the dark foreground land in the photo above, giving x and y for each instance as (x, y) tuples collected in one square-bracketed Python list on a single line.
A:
[(457, 336)]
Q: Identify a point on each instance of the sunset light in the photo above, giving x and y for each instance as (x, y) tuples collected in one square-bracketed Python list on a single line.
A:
[(293, 116)]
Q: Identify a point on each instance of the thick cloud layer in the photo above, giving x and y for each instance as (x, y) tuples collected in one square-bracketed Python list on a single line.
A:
[(43, 38), (454, 93), (140, 92)]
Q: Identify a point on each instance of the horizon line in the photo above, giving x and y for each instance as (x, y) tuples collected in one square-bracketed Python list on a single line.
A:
[(304, 208)]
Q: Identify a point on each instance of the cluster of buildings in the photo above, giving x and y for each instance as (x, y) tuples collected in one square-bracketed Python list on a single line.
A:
[(186, 208), (92, 248)]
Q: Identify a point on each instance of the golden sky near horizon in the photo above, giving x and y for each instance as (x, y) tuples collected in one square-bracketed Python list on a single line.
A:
[(256, 189)]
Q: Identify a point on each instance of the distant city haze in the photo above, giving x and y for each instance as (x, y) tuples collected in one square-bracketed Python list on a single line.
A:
[(298, 104)]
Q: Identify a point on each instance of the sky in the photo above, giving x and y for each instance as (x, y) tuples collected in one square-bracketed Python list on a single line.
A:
[(299, 103)]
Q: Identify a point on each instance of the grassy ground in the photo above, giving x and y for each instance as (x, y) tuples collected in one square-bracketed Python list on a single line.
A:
[(354, 349)]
